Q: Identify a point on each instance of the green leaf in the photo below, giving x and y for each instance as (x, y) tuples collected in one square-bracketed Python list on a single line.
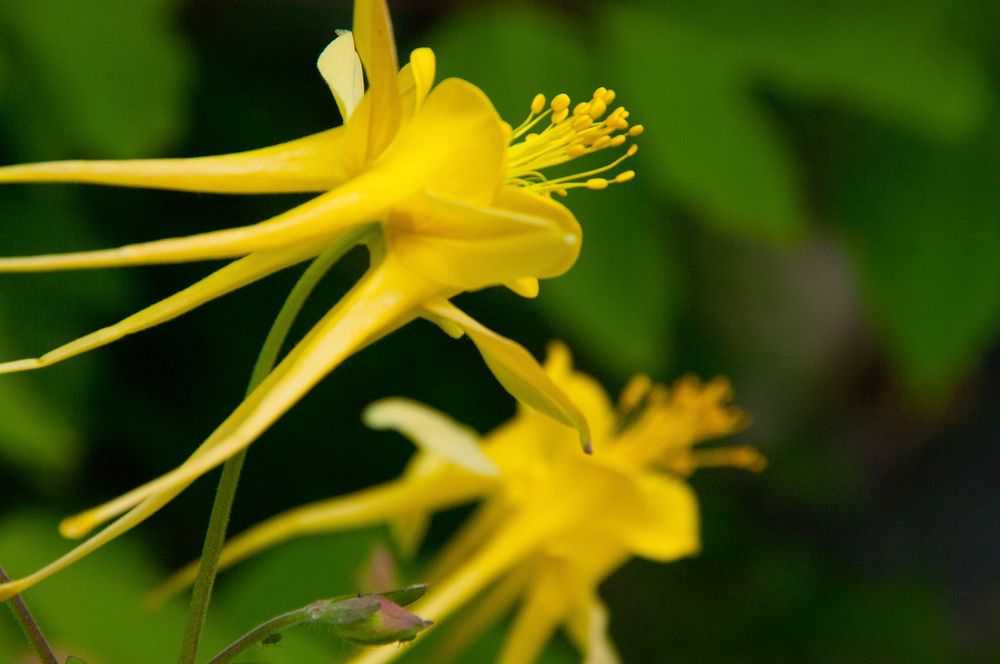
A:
[(708, 142), (512, 53), (922, 220), (693, 72), (618, 301), (895, 60), (104, 78)]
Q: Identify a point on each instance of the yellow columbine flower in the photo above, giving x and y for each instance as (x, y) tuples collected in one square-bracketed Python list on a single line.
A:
[(446, 196), (554, 523)]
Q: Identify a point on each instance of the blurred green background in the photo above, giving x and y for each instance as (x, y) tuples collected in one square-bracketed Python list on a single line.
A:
[(816, 215)]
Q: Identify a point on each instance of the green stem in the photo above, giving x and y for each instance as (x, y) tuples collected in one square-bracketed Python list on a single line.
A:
[(30, 626), (259, 633), (215, 535)]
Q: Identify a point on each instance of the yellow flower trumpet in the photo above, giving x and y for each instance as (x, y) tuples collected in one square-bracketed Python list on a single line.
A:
[(553, 523), (447, 197)]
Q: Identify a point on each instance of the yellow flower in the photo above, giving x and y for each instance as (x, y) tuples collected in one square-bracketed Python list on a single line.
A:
[(554, 523), (446, 196)]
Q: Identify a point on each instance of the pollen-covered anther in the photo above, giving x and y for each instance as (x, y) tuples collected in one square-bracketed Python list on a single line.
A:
[(537, 104)]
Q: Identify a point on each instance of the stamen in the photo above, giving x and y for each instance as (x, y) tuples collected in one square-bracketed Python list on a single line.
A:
[(568, 136), (635, 392), (736, 456)]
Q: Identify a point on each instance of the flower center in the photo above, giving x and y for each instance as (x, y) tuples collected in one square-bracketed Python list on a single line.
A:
[(660, 427), (567, 136)]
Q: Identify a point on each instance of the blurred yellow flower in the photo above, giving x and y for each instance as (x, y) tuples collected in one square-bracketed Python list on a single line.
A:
[(446, 196), (554, 523)]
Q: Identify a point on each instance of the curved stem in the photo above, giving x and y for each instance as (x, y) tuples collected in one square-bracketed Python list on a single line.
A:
[(218, 522), (30, 626), (259, 633)]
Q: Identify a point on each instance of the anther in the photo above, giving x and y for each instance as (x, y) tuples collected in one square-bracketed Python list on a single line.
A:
[(537, 104), (617, 140), (601, 142), (597, 184), (581, 108), (560, 102), (624, 176), (609, 97), (632, 149), (597, 108), (636, 130), (560, 115)]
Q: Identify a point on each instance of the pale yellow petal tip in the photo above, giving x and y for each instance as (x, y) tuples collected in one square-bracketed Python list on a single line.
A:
[(525, 287), (77, 526), (341, 69), (431, 431)]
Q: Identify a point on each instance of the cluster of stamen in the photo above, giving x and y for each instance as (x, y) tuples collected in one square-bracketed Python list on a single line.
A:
[(659, 427), (570, 134)]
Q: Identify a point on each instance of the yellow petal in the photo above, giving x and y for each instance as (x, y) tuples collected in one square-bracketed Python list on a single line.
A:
[(377, 48), (356, 202), (510, 544), (588, 627), (416, 79), (444, 489), (340, 67), (408, 528), (471, 247), (517, 371), (547, 603), (454, 146), (385, 299), (657, 519), (233, 276), (464, 629), (527, 203), (587, 393), (307, 164), (524, 286), (477, 529), (432, 431)]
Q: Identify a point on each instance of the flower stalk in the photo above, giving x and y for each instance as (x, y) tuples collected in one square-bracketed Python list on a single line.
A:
[(30, 626), (363, 619), (215, 535)]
